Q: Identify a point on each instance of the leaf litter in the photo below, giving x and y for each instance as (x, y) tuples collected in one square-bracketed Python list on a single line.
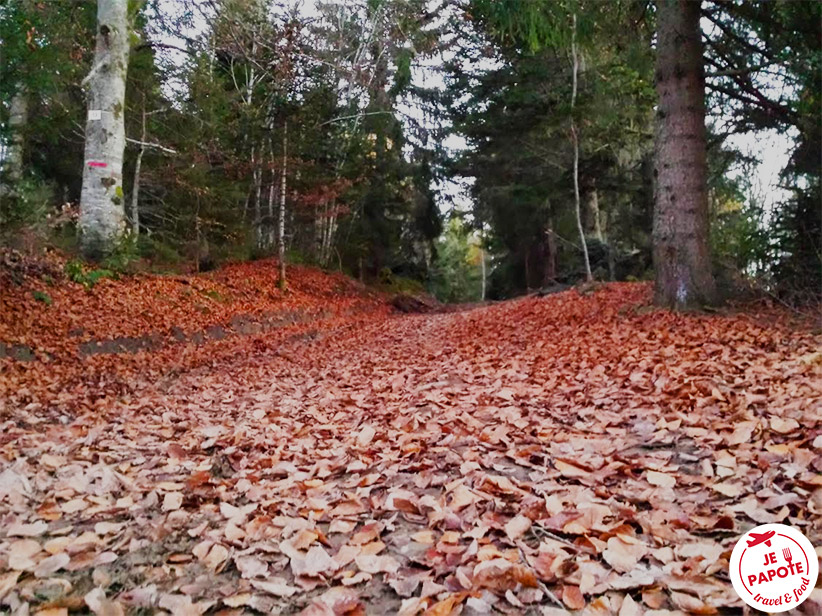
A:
[(538, 456)]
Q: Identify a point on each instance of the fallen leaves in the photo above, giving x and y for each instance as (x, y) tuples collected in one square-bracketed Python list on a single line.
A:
[(21, 554), (623, 554), (541, 454), (276, 586), (371, 563), (314, 563), (501, 575), (662, 480), (366, 435), (52, 564), (35, 529), (172, 501), (572, 597), (731, 490), (517, 527)]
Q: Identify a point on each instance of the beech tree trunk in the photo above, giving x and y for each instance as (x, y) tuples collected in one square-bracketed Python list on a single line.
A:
[(13, 165), (102, 212), (593, 220), (549, 272), (483, 274), (272, 190), (575, 140), (681, 255), (281, 226), (135, 190)]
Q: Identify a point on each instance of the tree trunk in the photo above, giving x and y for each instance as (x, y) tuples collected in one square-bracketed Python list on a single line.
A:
[(482, 266), (272, 189), (102, 212), (575, 139), (281, 229), (135, 189), (549, 272), (593, 222), (18, 118), (681, 255), (257, 176)]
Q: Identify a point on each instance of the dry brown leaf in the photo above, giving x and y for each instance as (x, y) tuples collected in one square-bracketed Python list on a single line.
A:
[(447, 605), (239, 600), (462, 497), (371, 563), (316, 562), (500, 574), (623, 556), (570, 470), (517, 527), (654, 598), (51, 564), (366, 435), (572, 597), (276, 586), (8, 581), (630, 607), (426, 537), (251, 566), (731, 490), (26, 530), (742, 433), (21, 554), (216, 557), (663, 480), (691, 604), (782, 425), (172, 501), (101, 606)]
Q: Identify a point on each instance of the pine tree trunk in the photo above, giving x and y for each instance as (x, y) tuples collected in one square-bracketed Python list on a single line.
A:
[(681, 255), (102, 212)]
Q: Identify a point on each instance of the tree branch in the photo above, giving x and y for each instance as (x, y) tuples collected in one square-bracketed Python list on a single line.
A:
[(146, 144)]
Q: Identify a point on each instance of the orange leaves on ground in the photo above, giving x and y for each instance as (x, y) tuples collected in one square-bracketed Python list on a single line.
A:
[(580, 453)]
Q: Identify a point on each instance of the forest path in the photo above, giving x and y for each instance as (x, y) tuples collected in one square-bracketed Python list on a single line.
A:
[(533, 455)]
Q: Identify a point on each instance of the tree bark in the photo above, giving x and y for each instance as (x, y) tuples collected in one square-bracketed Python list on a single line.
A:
[(135, 189), (681, 254), (18, 119), (483, 273), (272, 190), (575, 140), (549, 272), (102, 213), (593, 221), (281, 228), (257, 179)]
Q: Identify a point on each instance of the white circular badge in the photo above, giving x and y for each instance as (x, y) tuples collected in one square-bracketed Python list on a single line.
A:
[(774, 568)]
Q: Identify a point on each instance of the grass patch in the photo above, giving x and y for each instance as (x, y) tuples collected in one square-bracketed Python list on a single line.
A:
[(40, 296)]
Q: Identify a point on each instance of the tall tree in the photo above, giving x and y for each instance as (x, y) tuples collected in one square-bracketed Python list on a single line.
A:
[(102, 212), (514, 112), (18, 118), (575, 140), (681, 255)]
